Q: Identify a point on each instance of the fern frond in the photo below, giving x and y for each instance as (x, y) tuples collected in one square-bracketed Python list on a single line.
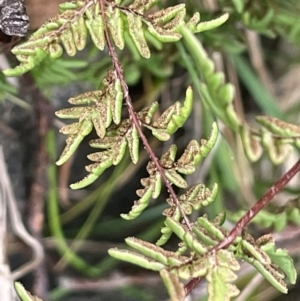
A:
[(218, 97), (80, 18), (218, 267), (216, 94), (102, 107), (186, 164), (171, 120), (196, 197), (116, 144), (277, 137)]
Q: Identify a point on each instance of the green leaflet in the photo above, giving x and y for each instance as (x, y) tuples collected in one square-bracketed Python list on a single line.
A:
[(204, 237), (155, 252), (115, 25), (83, 128), (186, 236), (196, 27), (282, 259), (203, 26), (176, 178), (132, 138), (219, 276), (251, 143), (172, 118), (23, 294), (68, 42), (95, 26), (256, 252), (174, 286), (136, 258), (210, 228), (276, 151), (27, 62), (279, 127), (137, 34), (103, 160), (116, 99), (95, 170), (152, 188), (166, 231), (272, 275), (181, 113), (140, 205)]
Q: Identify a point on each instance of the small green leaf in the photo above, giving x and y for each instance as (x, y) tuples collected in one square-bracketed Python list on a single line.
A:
[(154, 252), (279, 127), (272, 275), (137, 34), (210, 228), (220, 274), (176, 227), (68, 42), (156, 182), (208, 25), (191, 241), (136, 259), (175, 178), (139, 205), (251, 144), (84, 128), (282, 259), (178, 119), (23, 294), (132, 137), (163, 35), (95, 26), (117, 102), (79, 33), (115, 25), (174, 286), (167, 14)]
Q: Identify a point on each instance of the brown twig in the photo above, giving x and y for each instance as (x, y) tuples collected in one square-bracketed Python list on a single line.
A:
[(248, 217), (44, 113), (135, 119)]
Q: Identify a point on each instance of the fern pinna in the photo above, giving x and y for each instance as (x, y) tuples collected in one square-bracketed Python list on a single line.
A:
[(108, 23)]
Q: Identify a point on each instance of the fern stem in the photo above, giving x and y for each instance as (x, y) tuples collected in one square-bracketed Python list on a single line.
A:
[(135, 119)]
